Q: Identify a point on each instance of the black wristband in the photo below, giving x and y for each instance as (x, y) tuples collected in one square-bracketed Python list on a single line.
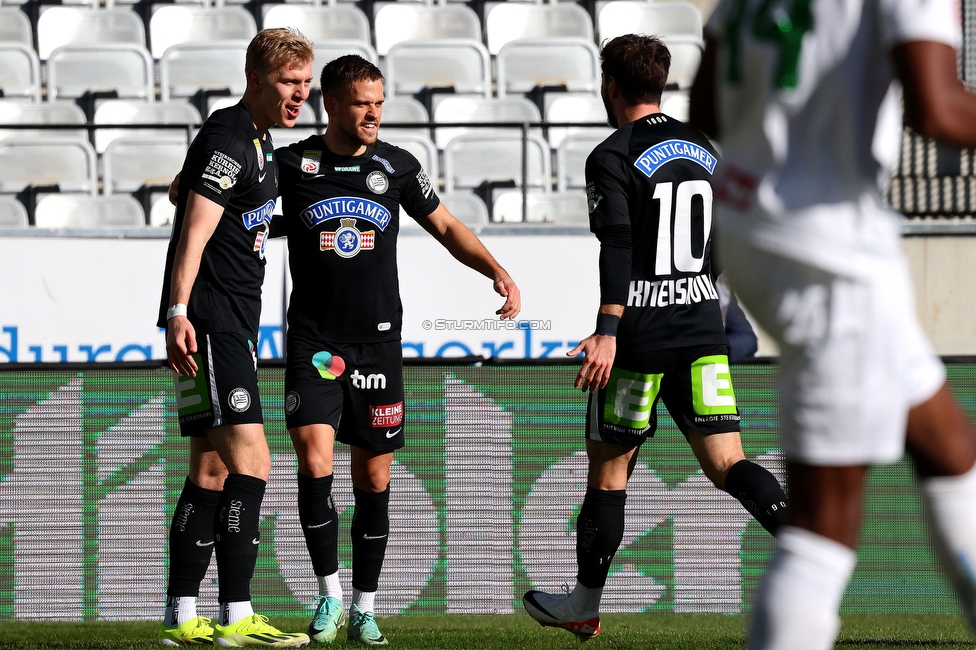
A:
[(606, 324)]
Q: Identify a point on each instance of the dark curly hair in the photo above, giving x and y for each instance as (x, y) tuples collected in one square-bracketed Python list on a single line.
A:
[(639, 64)]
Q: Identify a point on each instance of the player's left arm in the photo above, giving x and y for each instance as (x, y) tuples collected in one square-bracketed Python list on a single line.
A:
[(937, 104), (465, 246)]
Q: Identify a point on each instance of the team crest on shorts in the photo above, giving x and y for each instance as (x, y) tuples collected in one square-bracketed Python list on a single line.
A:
[(348, 240), (239, 400), (292, 402)]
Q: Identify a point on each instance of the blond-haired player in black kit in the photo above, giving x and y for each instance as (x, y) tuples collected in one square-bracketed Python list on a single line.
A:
[(341, 196), (210, 306), (659, 331)]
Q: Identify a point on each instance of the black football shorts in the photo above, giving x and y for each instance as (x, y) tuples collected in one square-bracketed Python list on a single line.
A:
[(694, 383), (356, 388), (225, 388)]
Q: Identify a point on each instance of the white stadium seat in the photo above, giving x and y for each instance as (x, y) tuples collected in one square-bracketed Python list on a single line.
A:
[(173, 25), (510, 21), (60, 113), (571, 158), (69, 164), (80, 211), (472, 159), (20, 72), (128, 111), (188, 68), (420, 146), (126, 69), (559, 208), (468, 208), (320, 23), (15, 27), (401, 21), (686, 54), (525, 64), (484, 110), (404, 110), (463, 65), (162, 214), (13, 214), (131, 163), (574, 107), (60, 25), (663, 19)]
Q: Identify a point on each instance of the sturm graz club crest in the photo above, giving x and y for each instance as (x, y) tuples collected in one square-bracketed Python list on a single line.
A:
[(347, 241)]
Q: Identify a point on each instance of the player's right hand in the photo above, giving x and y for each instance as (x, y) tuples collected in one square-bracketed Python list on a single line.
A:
[(600, 352), (181, 342)]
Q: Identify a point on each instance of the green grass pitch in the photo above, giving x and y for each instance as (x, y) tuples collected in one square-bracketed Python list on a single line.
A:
[(619, 632)]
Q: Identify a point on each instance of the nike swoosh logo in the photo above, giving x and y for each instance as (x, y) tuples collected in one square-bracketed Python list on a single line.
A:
[(390, 434), (308, 178), (319, 525), (261, 177), (199, 543), (255, 541), (374, 537)]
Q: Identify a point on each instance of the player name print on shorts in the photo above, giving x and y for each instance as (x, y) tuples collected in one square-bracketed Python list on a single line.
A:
[(377, 182)]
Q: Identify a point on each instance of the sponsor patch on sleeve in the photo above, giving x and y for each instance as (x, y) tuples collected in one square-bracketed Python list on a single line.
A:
[(425, 187), (222, 170), (593, 197)]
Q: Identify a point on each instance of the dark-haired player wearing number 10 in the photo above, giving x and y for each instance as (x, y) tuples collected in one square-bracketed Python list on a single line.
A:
[(659, 330)]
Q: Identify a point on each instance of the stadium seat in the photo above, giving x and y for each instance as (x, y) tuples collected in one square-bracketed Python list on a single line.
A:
[(571, 158), (483, 110), (20, 72), (461, 65), (189, 68), (675, 104), (76, 70), (566, 64), (686, 54), (320, 23), (15, 27), (487, 161), (510, 21), (80, 211), (58, 113), (422, 149), (401, 21), (132, 164), (13, 214), (162, 214), (574, 107), (663, 19), (68, 164), (404, 110), (559, 208), (174, 25), (128, 111), (468, 208), (60, 25)]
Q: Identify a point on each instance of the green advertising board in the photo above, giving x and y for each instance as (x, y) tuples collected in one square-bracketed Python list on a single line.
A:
[(483, 501)]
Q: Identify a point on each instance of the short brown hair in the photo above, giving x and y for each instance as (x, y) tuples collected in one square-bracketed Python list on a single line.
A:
[(640, 66), (273, 48), (343, 72)]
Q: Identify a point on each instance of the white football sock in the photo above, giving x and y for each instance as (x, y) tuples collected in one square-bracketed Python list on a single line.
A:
[(585, 600), (950, 512), (179, 610), (231, 613), (329, 585), (363, 600), (796, 608)]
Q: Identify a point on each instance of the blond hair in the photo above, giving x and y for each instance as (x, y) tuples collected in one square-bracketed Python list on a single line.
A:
[(272, 48)]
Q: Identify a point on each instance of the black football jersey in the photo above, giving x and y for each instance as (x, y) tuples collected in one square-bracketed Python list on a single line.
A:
[(229, 164), (342, 217), (653, 176)]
